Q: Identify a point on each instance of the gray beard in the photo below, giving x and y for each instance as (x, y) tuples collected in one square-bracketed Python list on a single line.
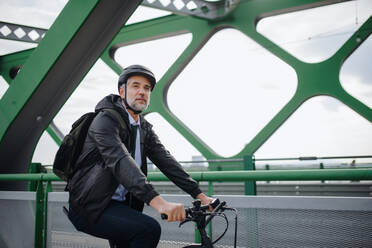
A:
[(136, 106)]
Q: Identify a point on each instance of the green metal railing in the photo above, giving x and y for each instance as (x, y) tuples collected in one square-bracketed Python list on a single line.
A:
[(231, 176), (43, 184), (278, 175)]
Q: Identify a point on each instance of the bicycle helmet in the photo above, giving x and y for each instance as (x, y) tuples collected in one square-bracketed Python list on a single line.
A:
[(136, 70)]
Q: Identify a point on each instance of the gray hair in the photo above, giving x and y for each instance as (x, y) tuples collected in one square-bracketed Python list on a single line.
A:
[(123, 85)]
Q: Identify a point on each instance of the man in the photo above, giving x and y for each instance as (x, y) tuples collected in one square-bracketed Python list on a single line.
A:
[(109, 190)]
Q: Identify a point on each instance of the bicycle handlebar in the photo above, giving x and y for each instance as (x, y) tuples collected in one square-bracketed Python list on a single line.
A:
[(198, 214), (197, 207)]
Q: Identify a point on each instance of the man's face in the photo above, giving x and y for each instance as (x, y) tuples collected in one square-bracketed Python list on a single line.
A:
[(138, 92)]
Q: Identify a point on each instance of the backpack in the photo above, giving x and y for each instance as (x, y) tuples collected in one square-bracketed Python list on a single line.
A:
[(64, 165)]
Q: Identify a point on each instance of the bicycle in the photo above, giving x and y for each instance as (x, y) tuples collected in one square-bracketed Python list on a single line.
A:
[(198, 214)]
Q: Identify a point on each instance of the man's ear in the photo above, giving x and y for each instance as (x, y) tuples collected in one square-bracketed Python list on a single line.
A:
[(122, 92)]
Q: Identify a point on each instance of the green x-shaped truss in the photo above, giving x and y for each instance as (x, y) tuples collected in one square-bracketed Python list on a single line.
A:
[(88, 30)]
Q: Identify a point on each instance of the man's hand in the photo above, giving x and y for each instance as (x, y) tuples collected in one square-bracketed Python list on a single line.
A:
[(205, 200), (174, 211)]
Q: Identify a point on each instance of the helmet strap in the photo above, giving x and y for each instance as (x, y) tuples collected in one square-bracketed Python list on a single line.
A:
[(126, 103)]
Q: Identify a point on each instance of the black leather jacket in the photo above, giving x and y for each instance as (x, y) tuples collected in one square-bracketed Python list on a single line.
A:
[(106, 162)]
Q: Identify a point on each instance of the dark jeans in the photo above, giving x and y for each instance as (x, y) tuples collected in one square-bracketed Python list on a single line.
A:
[(122, 225)]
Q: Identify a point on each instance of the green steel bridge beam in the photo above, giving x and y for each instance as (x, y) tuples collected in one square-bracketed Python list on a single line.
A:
[(11, 31), (204, 9), (51, 73), (311, 81), (15, 61), (210, 10)]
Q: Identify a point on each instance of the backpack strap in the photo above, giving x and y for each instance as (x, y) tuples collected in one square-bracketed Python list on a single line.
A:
[(117, 115)]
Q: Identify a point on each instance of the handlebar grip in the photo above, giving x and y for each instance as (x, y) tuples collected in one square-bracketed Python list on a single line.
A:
[(164, 216), (215, 203)]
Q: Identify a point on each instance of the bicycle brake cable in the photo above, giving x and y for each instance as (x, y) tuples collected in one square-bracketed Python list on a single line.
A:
[(236, 222), (227, 227)]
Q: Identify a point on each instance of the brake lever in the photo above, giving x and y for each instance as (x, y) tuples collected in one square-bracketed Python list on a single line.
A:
[(184, 221)]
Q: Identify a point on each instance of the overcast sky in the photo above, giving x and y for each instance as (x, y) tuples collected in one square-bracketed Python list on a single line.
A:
[(240, 86)]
